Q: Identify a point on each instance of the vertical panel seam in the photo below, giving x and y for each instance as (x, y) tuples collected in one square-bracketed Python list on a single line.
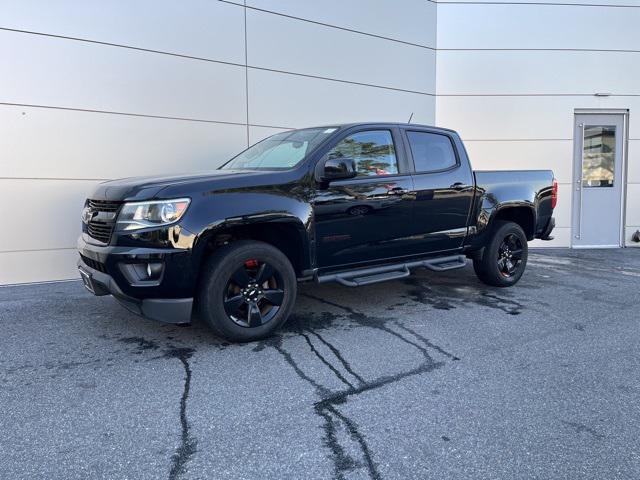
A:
[(246, 69)]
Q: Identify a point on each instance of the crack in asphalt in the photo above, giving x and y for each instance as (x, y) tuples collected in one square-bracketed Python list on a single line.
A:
[(338, 355), (359, 438), (447, 297), (327, 407), (188, 444), (335, 371), (337, 426), (427, 342), (580, 428)]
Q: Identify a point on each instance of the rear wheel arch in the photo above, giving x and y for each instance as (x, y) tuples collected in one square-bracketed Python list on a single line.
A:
[(519, 214)]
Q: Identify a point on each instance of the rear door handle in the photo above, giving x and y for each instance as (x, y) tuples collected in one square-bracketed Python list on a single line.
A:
[(397, 191), (459, 186)]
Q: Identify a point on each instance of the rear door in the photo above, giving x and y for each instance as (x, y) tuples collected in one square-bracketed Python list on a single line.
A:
[(443, 182), (365, 218)]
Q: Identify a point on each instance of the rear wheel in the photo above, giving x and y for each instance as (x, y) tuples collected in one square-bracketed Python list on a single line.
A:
[(505, 256), (247, 291)]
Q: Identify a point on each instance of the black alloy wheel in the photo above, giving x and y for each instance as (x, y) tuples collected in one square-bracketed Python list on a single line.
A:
[(254, 294), (510, 255), (247, 290), (504, 257)]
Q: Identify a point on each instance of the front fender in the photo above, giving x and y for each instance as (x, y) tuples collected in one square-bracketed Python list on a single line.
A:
[(211, 214)]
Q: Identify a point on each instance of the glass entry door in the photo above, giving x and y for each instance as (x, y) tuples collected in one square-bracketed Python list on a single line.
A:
[(598, 180)]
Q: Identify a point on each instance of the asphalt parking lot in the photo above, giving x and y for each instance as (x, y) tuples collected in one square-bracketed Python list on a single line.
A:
[(437, 376)]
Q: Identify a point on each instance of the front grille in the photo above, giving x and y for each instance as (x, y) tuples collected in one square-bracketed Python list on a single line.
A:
[(94, 264), (104, 205), (98, 227), (100, 231)]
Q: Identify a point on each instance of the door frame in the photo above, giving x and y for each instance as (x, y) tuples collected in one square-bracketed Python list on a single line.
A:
[(624, 112)]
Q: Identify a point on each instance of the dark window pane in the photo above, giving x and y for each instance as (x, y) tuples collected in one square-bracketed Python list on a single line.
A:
[(431, 151), (598, 156), (373, 152)]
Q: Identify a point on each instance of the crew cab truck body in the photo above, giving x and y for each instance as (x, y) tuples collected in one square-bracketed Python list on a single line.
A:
[(355, 204)]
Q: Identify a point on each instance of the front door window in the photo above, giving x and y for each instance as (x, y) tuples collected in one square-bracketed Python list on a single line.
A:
[(373, 152)]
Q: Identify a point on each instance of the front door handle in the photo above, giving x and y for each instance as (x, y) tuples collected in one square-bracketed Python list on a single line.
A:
[(459, 186), (397, 191)]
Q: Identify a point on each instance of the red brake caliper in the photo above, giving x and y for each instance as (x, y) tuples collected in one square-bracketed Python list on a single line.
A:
[(252, 263)]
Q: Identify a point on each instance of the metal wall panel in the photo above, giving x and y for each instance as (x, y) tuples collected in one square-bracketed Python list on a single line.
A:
[(411, 21), (595, 3), (633, 199), (538, 72), (61, 72), (38, 266), (87, 145), (260, 133), (523, 117), (633, 162), (282, 43), (282, 100), (562, 212), (504, 26), (49, 213), (561, 238), (506, 155), (201, 28)]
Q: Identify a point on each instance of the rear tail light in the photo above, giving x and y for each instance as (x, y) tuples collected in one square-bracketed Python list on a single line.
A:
[(554, 194)]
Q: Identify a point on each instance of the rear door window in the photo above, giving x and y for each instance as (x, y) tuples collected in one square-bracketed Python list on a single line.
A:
[(431, 152)]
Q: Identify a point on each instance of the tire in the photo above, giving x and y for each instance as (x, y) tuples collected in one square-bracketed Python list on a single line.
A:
[(506, 247), (232, 300)]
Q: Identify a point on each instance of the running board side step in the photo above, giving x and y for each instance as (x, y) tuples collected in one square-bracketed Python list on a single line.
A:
[(367, 276)]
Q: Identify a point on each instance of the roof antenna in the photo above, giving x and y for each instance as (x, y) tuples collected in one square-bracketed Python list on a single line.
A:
[(410, 117)]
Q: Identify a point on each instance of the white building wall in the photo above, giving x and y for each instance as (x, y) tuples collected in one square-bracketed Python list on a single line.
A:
[(511, 74), (94, 90)]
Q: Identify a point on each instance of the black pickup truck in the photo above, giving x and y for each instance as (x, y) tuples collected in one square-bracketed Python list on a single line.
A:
[(354, 204)]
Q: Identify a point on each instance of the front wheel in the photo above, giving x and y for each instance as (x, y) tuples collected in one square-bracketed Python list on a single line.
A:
[(505, 256), (247, 291)]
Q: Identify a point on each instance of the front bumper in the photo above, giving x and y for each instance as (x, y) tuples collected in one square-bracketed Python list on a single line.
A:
[(98, 267)]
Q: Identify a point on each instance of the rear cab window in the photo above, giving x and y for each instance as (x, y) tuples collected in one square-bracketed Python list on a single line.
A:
[(431, 152)]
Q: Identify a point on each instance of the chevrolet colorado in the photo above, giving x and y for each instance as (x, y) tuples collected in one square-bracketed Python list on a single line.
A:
[(355, 204)]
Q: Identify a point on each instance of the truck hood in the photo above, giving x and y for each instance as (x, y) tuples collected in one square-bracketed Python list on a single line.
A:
[(145, 188)]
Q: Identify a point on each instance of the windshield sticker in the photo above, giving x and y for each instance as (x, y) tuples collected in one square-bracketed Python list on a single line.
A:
[(330, 130)]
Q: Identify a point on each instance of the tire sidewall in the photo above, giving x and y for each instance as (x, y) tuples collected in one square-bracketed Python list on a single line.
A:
[(490, 258), (219, 269)]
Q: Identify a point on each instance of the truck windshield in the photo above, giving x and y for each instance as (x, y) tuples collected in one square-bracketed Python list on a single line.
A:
[(281, 151)]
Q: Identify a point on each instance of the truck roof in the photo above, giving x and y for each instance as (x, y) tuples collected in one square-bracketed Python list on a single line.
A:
[(375, 124)]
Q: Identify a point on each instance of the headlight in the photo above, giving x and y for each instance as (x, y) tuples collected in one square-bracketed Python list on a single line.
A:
[(137, 215)]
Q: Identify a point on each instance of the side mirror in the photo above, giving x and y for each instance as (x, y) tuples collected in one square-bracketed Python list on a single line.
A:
[(338, 169)]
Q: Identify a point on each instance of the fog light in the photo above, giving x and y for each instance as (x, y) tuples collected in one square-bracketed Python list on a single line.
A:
[(154, 270), (142, 274)]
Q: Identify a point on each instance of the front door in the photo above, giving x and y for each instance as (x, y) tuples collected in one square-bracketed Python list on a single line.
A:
[(598, 177), (365, 218)]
